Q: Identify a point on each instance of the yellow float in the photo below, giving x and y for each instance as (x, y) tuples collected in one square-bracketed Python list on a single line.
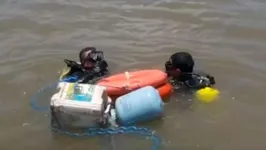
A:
[(207, 94)]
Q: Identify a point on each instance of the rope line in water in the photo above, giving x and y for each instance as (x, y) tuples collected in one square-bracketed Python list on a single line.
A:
[(94, 131), (90, 132), (34, 98)]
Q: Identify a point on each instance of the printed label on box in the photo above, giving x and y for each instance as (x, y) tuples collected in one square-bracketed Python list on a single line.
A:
[(80, 92)]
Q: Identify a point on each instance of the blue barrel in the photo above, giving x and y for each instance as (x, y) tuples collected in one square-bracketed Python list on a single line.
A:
[(141, 105)]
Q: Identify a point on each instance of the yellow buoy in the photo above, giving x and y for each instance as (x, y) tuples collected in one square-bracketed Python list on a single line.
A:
[(207, 94)]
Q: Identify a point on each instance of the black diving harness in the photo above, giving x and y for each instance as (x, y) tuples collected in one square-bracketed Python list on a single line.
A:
[(196, 81)]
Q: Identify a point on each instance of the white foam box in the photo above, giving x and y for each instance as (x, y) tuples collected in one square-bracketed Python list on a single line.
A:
[(69, 112)]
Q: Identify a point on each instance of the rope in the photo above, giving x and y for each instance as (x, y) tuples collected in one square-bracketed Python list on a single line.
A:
[(113, 131), (34, 98), (95, 131)]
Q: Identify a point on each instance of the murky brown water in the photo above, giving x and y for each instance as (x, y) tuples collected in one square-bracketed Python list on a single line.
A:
[(226, 37)]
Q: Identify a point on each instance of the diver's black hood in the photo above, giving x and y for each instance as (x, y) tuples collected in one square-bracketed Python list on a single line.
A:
[(85, 54)]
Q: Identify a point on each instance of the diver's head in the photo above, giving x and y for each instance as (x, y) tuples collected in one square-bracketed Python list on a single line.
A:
[(85, 57), (180, 66)]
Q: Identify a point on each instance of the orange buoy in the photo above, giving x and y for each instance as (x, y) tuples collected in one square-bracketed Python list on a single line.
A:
[(124, 83), (165, 91)]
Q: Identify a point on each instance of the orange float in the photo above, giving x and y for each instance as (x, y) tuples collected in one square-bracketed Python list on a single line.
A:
[(124, 83), (165, 91)]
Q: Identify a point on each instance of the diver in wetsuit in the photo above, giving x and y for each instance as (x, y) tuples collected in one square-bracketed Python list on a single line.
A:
[(92, 66), (180, 70), (186, 81)]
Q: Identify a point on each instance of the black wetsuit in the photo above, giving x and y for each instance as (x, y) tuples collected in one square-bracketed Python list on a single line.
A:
[(193, 81), (185, 90), (87, 76)]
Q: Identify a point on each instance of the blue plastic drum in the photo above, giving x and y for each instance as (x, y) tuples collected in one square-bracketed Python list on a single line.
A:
[(141, 105)]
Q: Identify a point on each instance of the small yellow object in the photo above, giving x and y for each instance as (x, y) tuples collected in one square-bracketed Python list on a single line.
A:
[(207, 94), (64, 72)]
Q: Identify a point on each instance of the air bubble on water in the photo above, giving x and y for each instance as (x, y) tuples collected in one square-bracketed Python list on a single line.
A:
[(198, 145), (25, 124)]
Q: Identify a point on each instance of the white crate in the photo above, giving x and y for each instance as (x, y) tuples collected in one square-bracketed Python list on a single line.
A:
[(69, 112)]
